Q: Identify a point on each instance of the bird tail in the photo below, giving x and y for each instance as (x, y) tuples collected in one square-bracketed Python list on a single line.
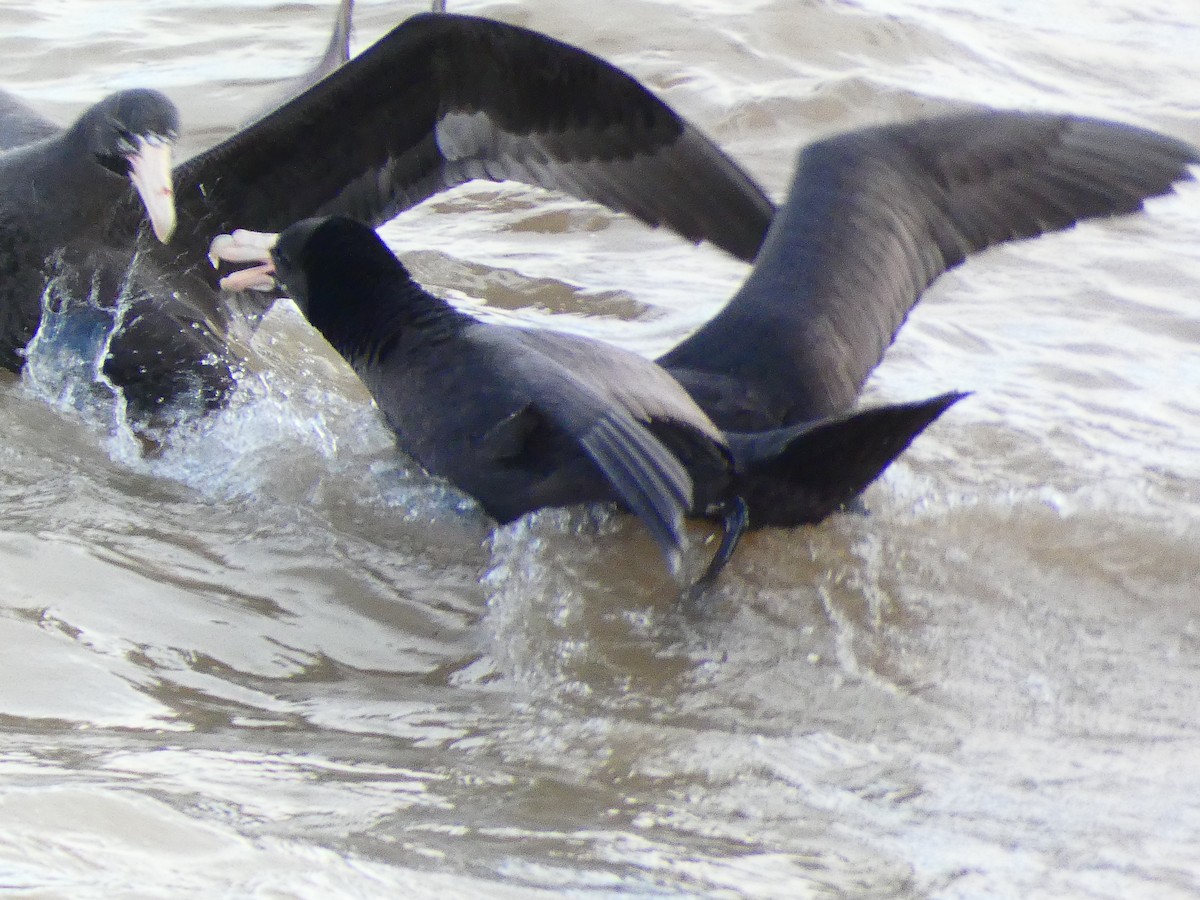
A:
[(799, 475)]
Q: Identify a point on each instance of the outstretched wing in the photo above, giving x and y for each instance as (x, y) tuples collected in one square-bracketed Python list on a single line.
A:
[(872, 218), (443, 99)]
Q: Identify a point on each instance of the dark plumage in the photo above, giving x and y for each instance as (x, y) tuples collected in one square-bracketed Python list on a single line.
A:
[(524, 419), (60, 194), (872, 218), (440, 100), (528, 419)]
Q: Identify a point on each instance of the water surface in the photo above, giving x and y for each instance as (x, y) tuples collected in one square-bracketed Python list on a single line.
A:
[(277, 661)]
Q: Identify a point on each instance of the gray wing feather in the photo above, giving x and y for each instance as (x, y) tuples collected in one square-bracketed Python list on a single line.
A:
[(647, 477), (874, 216), (442, 99)]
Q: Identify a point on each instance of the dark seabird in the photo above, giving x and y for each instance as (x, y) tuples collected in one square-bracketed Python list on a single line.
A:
[(872, 218), (59, 194), (528, 418), (440, 100)]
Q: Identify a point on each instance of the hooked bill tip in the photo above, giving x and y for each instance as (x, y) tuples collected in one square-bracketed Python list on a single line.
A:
[(150, 172)]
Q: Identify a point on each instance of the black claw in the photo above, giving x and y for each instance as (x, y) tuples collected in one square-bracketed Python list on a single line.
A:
[(735, 518)]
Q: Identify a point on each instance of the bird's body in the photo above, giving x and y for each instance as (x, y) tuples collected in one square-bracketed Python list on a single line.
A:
[(524, 419), (61, 199), (519, 419), (524, 405)]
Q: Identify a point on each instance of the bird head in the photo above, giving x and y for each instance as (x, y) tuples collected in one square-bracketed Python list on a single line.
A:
[(131, 133)]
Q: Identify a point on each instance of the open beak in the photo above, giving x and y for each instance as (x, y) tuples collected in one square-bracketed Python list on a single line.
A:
[(245, 246), (150, 172)]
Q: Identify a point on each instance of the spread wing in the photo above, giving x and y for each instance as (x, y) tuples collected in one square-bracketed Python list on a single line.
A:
[(872, 218), (443, 99)]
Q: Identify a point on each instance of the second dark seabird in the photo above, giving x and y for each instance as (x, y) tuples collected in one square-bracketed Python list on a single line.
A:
[(440, 100)]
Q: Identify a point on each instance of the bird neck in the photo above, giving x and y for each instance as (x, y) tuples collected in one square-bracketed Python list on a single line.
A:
[(383, 314)]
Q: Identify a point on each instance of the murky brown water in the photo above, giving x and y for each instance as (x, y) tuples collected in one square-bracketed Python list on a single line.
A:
[(274, 662)]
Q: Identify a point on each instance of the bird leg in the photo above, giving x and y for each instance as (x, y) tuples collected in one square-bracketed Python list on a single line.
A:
[(735, 518)]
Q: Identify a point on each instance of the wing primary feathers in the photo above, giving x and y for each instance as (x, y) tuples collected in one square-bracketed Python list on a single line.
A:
[(873, 216), (647, 478)]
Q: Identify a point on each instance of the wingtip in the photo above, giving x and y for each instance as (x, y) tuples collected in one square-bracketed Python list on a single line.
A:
[(650, 481)]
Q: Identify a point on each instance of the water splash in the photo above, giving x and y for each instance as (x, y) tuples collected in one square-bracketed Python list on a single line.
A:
[(64, 362)]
